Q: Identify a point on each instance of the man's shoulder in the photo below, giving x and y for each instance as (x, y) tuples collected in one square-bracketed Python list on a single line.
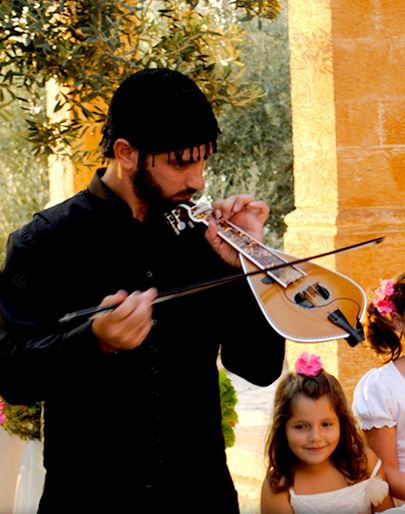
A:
[(65, 211), (47, 223)]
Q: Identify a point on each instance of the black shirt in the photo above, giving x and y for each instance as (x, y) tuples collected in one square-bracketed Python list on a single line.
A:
[(136, 431)]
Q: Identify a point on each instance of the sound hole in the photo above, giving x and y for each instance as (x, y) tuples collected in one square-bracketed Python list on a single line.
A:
[(312, 296), (267, 280), (322, 291)]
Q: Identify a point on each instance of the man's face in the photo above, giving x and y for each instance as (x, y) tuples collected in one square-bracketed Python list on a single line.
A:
[(164, 178)]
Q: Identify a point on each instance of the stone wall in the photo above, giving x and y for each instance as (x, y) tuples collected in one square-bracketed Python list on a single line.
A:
[(348, 99)]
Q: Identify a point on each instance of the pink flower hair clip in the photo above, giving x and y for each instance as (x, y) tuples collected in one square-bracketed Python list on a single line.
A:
[(308, 366), (3, 417), (383, 302)]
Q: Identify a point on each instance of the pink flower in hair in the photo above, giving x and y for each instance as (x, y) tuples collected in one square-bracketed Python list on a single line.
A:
[(383, 302), (308, 366), (3, 417)]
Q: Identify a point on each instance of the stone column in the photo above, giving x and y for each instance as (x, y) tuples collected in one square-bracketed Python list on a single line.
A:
[(348, 103)]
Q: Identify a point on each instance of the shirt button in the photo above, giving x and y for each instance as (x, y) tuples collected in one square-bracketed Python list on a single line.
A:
[(149, 274), (154, 322)]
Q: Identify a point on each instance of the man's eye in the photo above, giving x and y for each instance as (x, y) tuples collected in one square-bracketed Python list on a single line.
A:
[(182, 164), (179, 164)]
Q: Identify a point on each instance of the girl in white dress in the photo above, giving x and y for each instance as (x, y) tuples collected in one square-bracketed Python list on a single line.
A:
[(379, 397), (318, 463)]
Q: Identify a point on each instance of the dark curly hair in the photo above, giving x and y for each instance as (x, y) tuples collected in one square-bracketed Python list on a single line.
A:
[(381, 335), (349, 456)]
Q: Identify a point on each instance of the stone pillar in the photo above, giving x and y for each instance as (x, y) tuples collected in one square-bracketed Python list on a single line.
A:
[(348, 103)]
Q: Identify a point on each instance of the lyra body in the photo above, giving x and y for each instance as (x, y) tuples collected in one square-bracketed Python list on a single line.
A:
[(305, 303)]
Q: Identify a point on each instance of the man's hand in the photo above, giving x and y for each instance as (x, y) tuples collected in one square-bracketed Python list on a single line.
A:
[(127, 326), (244, 211)]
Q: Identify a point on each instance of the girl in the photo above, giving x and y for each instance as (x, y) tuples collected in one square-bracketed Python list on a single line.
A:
[(317, 460), (379, 398)]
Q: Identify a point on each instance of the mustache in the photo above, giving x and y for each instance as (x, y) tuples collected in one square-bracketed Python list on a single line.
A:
[(185, 192)]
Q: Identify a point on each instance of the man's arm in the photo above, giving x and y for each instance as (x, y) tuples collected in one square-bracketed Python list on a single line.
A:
[(33, 367), (36, 353), (251, 348)]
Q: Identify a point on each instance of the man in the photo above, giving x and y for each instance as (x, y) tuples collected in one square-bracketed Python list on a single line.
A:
[(132, 419)]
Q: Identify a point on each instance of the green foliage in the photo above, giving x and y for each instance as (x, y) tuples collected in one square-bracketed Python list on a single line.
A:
[(22, 420), (88, 46), (258, 8), (228, 403), (255, 148)]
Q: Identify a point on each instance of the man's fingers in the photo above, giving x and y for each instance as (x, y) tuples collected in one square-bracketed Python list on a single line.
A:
[(113, 299), (136, 302)]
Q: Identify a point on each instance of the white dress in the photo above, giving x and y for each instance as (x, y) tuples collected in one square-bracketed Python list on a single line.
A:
[(379, 401), (353, 499)]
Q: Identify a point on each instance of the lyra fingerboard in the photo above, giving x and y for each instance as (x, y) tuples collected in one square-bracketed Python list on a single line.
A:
[(255, 251)]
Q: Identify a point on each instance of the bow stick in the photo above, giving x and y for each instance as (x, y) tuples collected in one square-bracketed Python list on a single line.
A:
[(93, 312)]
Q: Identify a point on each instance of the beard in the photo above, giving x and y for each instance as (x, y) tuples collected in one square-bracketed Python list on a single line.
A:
[(149, 191), (146, 188)]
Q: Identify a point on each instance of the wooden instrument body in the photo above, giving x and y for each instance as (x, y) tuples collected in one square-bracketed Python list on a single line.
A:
[(308, 324), (296, 300)]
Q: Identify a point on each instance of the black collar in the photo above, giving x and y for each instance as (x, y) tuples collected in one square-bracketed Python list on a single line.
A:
[(97, 188)]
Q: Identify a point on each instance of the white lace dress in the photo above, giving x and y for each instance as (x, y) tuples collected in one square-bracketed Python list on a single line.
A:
[(353, 499)]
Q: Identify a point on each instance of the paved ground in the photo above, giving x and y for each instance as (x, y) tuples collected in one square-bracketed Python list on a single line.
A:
[(246, 459)]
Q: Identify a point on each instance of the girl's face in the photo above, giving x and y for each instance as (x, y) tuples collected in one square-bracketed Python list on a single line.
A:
[(313, 430)]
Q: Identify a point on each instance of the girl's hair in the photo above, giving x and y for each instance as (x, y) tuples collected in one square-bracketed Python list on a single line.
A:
[(349, 456), (380, 333)]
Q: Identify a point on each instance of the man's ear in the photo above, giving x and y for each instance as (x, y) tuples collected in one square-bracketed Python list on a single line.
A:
[(125, 154)]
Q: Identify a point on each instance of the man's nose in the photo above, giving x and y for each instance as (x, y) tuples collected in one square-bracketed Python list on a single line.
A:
[(195, 176)]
